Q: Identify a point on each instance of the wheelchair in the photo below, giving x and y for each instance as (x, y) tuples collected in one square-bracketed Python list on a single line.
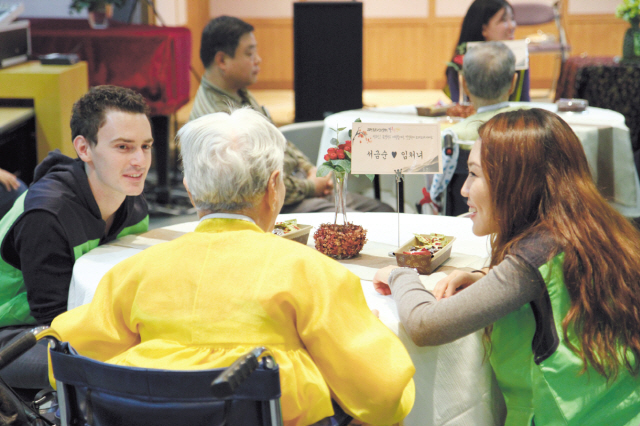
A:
[(94, 393)]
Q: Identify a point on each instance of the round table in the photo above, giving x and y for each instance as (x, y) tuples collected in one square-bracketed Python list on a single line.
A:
[(453, 384)]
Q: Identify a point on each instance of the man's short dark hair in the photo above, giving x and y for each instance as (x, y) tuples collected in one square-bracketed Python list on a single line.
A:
[(222, 34), (89, 112)]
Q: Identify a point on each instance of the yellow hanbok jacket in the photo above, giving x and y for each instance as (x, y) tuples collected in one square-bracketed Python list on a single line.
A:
[(202, 300)]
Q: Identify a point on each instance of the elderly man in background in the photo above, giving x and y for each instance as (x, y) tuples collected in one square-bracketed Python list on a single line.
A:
[(209, 296), (229, 53), (489, 79)]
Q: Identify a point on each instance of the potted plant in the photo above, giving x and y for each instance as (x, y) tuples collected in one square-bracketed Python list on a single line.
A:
[(629, 10), (99, 10), (345, 240)]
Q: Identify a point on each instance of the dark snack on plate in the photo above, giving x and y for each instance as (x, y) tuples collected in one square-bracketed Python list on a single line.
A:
[(433, 110), (459, 110), (425, 252)]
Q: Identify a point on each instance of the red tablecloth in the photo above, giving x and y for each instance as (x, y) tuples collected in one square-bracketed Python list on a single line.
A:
[(153, 61)]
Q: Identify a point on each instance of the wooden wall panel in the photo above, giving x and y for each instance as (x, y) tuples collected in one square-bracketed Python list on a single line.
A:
[(443, 38), (275, 46), (596, 35), (394, 53), (197, 19), (411, 53)]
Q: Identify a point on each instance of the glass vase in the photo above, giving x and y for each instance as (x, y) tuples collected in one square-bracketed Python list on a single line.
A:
[(99, 15), (631, 43), (340, 240), (340, 196)]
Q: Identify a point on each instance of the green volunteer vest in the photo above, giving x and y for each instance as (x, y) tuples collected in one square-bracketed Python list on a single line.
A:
[(551, 392), (14, 307)]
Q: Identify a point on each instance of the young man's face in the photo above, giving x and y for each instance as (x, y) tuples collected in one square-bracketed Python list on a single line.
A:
[(118, 163), (242, 70)]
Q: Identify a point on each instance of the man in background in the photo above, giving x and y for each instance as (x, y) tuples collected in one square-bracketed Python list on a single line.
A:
[(230, 57), (72, 206), (489, 79)]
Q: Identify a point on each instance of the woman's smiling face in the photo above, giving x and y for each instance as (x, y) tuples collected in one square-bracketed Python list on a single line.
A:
[(501, 26), (476, 189)]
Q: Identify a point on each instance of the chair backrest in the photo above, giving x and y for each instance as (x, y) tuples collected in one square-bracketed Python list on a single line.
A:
[(533, 13), (538, 13), (103, 394), (306, 136)]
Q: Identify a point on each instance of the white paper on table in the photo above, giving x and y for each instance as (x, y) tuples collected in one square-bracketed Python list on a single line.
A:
[(384, 148), (519, 48)]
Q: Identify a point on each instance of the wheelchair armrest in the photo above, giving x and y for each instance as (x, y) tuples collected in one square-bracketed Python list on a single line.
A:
[(25, 342), (233, 376)]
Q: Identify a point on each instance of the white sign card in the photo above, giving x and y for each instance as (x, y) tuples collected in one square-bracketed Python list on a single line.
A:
[(412, 148), (519, 48)]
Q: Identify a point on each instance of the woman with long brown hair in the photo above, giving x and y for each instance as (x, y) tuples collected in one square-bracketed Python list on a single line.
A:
[(561, 298)]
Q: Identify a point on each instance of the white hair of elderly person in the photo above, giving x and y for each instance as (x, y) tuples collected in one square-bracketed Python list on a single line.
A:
[(489, 73), (233, 164)]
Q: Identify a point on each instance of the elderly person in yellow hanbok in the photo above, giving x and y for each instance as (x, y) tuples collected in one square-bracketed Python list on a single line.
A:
[(202, 300)]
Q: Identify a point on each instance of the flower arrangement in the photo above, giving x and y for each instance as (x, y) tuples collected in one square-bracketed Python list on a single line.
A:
[(334, 240), (456, 62), (338, 157), (629, 10), (340, 241), (93, 5)]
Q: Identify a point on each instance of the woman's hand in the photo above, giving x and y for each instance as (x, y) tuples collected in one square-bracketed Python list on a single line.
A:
[(381, 280), (454, 282), (8, 180)]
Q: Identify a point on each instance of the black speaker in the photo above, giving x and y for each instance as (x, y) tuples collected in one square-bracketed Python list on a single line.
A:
[(327, 41)]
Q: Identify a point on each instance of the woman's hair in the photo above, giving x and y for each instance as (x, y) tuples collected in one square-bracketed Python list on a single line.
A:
[(479, 14), (228, 158), (539, 181)]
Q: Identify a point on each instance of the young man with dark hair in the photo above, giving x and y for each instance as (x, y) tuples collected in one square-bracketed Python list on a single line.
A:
[(229, 54), (73, 206)]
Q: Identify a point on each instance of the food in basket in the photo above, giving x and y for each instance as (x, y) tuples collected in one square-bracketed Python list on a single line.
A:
[(425, 252), (460, 110), (283, 228), (428, 244), (291, 230)]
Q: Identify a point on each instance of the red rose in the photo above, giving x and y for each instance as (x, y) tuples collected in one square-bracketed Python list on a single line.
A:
[(348, 148), (326, 157), (340, 154), (341, 146), (458, 59), (330, 150), (333, 155), (347, 142)]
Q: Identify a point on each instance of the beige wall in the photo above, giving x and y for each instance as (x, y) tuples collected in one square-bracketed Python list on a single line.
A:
[(407, 42), (590, 7), (284, 8), (388, 8)]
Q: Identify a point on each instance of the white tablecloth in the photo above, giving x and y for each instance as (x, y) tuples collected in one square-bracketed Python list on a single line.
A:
[(602, 132), (453, 385)]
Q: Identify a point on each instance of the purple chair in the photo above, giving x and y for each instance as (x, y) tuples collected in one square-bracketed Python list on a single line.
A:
[(536, 14)]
